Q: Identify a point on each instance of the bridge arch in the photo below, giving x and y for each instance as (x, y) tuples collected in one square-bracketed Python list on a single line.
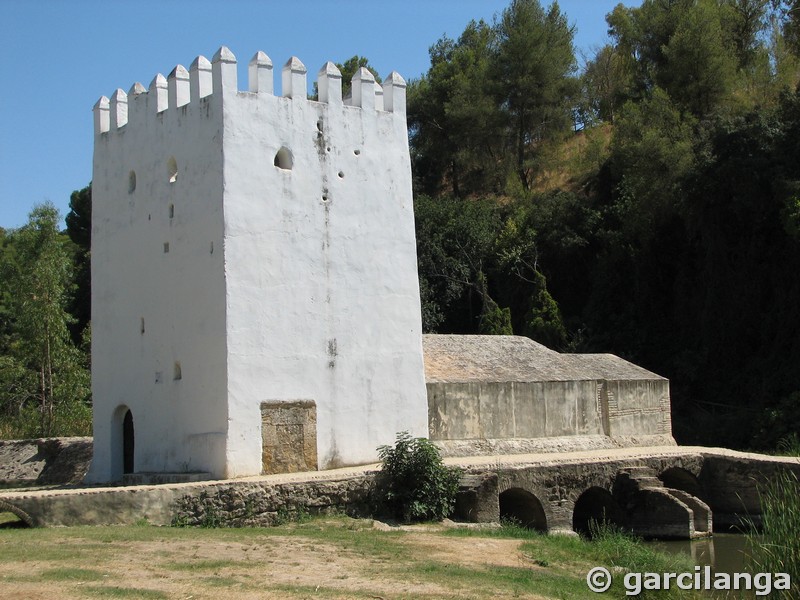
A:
[(523, 508), (678, 478), (24, 517), (596, 505)]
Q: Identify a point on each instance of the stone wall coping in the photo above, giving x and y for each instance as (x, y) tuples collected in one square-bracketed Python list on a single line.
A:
[(472, 463)]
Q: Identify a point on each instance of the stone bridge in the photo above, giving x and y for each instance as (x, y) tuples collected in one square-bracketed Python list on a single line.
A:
[(669, 492), (666, 492)]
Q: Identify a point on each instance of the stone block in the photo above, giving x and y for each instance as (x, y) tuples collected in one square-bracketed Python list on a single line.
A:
[(288, 436), (477, 498)]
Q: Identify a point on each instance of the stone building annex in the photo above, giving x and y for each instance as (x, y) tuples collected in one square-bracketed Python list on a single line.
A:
[(255, 295)]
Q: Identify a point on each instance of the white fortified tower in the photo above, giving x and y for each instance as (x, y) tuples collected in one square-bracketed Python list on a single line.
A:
[(255, 301)]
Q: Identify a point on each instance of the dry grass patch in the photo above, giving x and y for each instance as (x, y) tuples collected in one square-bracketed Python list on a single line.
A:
[(323, 558)]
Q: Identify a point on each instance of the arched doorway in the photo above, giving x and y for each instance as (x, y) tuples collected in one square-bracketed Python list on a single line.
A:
[(127, 443), (594, 507), (523, 508)]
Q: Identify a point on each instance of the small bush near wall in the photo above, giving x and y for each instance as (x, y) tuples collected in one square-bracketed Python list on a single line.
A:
[(414, 484)]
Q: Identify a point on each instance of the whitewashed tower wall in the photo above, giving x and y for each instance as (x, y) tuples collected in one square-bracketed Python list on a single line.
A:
[(278, 265)]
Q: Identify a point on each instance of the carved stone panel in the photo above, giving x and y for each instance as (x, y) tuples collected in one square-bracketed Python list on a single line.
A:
[(288, 436)]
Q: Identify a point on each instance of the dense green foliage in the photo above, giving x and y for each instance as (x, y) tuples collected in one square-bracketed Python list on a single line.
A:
[(649, 206), (79, 230), (414, 484), (491, 99), (44, 382)]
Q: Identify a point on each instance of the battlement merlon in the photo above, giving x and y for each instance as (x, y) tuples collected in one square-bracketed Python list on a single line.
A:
[(329, 84), (119, 109), (178, 87), (259, 74), (219, 77)]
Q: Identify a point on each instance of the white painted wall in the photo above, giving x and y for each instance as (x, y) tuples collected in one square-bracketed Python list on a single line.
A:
[(323, 297), (180, 294), (311, 289)]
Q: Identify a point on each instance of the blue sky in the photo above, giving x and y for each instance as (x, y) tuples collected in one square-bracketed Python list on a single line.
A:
[(61, 56)]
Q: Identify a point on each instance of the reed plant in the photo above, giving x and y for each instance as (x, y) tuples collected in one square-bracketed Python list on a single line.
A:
[(778, 549)]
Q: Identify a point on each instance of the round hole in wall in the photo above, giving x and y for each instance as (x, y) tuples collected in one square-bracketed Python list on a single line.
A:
[(284, 159), (131, 182), (341, 174), (357, 152), (172, 169)]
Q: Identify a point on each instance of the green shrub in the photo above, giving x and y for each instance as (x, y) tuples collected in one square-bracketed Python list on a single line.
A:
[(414, 484)]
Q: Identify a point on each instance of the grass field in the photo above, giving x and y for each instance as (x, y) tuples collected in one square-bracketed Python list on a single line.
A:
[(320, 558)]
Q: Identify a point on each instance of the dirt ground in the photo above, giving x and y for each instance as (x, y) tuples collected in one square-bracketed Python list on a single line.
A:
[(183, 564)]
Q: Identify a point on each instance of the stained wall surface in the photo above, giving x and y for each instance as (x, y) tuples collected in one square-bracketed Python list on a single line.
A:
[(508, 387)]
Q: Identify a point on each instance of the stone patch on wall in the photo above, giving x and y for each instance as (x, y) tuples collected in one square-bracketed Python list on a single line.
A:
[(288, 437), (50, 461)]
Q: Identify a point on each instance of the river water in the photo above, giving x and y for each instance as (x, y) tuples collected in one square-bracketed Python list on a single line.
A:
[(724, 553)]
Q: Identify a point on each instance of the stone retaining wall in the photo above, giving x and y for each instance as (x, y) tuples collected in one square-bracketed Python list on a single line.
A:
[(231, 503), (258, 504)]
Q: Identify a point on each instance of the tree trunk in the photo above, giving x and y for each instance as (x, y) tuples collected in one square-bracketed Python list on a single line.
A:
[(454, 177), (523, 176)]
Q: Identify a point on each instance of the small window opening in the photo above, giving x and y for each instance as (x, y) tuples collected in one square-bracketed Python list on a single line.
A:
[(141, 326), (211, 248), (166, 247), (131, 182), (171, 210), (284, 159), (176, 374), (172, 169)]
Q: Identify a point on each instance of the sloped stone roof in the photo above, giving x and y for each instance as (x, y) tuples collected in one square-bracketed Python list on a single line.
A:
[(503, 358)]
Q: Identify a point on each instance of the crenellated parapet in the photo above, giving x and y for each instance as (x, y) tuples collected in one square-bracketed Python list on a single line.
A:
[(218, 78)]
